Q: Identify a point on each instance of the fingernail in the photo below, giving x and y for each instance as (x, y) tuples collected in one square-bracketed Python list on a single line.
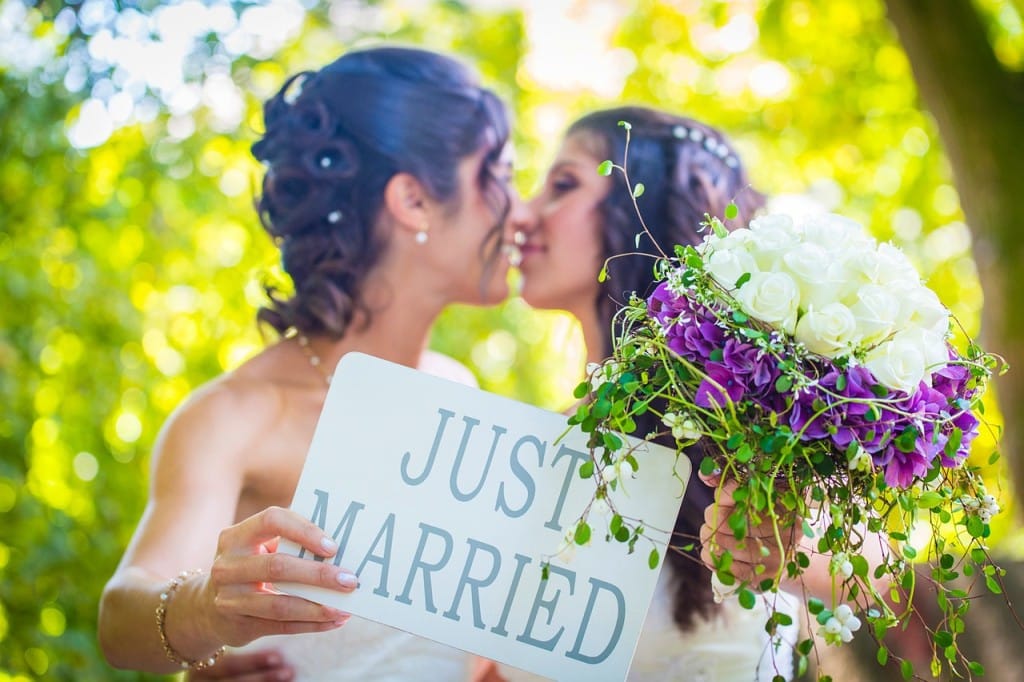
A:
[(344, 619), (716, 471), (328, 544), (348, 580), (284, 674), (273, 660)]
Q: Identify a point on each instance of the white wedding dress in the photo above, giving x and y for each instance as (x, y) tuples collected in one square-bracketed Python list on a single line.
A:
[(364, 650), (731, 647)]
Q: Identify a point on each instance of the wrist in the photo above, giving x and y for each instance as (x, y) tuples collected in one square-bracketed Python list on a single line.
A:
[(185, 642)]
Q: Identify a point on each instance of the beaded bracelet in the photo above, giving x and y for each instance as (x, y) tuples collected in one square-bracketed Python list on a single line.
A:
[(161, 624)]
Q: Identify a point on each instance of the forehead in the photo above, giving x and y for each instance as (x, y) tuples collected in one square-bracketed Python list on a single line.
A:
[(581, 149)]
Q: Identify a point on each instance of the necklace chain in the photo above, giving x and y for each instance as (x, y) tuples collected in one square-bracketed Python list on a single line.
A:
[(314, 359)]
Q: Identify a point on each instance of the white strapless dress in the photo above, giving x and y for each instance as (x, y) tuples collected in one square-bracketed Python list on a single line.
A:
[(731, 647), (365, 650)]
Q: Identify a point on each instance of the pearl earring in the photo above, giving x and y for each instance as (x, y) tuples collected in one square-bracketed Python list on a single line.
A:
[(421, 235)]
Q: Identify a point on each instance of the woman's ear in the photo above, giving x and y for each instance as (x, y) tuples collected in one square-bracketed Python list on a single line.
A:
[(407, 201)]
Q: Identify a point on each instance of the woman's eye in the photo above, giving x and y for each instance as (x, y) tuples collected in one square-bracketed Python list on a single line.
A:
[(563, 185)]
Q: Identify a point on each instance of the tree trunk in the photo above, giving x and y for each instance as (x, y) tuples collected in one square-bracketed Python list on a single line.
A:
[(979, 108)]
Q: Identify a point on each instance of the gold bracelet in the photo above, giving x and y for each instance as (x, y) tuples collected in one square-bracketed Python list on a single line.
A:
[(161, 625)]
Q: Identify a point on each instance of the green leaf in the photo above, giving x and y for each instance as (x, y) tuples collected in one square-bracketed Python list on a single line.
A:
[(815, 606), (906, 669), (605, 167), (582, 535), (587, 469), (993, 585), (783, 383), (883, 655), (615, 524), (731, 210), (742, 279), (603, 275), (638, 190), (747, 598), (929, 499), (581, 390), (626, 125), (653, 558)]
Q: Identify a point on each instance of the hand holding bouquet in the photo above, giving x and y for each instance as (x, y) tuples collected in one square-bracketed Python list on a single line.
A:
[(817, 373)]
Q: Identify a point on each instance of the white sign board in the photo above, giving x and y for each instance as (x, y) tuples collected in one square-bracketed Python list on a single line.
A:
[(446, 500)]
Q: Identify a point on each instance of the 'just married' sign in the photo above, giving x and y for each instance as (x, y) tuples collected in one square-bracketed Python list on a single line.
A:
[(446, 500)]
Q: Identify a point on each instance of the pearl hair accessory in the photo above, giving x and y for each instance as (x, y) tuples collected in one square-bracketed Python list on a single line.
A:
[(716, 147)]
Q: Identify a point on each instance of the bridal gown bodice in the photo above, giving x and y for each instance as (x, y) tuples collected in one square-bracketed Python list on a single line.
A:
[(731, 647), (365, 650)]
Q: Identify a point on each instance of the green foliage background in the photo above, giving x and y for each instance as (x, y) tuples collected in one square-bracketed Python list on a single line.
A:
[(130, 271)]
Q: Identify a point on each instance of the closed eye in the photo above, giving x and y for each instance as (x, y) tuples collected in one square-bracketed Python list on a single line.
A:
[(563, 184)]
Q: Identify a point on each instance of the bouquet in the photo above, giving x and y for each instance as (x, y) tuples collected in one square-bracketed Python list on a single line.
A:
[(813, 368)]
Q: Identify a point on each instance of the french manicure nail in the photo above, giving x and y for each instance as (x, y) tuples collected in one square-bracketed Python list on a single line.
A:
[(348, 580), (328, 544)]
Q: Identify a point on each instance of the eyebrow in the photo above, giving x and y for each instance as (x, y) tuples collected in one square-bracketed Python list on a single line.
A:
[(564, 164)]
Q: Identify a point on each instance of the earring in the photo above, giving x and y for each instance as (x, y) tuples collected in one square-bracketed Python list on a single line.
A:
[(421, 235)]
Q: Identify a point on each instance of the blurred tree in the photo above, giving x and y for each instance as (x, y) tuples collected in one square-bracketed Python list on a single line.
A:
[(131, 260), (978, 104)]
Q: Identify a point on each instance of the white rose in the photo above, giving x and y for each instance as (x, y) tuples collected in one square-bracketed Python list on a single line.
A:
[(728, 265), (932, 346), (771, 297), (921, 307), (736, 239), (835, 233), (898, 363), (773, 221), (894, 268), (829, 331), (771, 237), (860, 266), (876, 311), (806, 263)]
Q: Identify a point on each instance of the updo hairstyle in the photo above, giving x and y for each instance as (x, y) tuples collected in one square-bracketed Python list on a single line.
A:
[(333, 140)]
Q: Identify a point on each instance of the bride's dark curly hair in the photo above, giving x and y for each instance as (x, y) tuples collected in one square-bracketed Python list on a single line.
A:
[(688, 170), (333, 139)]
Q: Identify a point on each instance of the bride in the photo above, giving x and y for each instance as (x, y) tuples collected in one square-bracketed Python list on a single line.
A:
[(383, 218), (581, 219)]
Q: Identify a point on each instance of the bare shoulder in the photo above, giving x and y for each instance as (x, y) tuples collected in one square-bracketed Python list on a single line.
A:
[(446, 367), (220, 421)]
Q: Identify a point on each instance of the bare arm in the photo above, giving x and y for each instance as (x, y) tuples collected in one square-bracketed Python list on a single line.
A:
[(198, 474)]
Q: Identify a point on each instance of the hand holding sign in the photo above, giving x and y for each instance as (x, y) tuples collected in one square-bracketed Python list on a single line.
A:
[(246, 566), (447, 500)]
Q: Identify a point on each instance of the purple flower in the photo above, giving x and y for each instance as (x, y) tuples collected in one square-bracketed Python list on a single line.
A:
[(902, 467), (719, 384)]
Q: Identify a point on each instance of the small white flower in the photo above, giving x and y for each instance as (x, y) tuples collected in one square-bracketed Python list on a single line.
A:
[(841, 565), (610, 472), (840, 627), (861, 461), (683, 426)]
